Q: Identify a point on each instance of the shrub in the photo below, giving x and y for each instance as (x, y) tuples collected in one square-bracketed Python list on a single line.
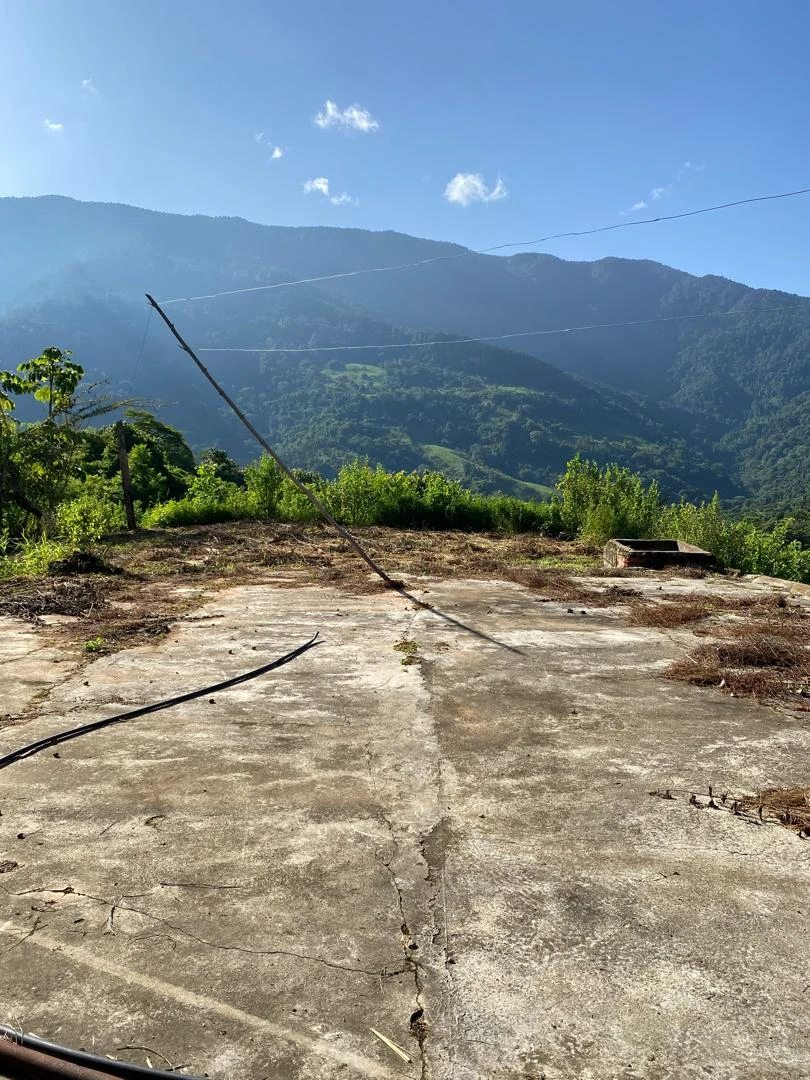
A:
[(31, 558), (600, 503), (739, 544), (265, 482), (84, 520), (200, 511)]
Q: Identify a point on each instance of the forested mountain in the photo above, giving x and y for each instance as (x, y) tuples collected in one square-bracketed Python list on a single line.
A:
[(725, 398)]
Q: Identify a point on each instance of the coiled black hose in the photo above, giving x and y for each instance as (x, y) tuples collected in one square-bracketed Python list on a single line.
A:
[(63, 736)]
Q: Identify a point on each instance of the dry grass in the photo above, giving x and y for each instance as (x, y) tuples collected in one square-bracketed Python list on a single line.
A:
[(786, 806), (694, 608), (140, 598), (670, 613), (555, 585), (790, 806), (26, 599), (767, 658)]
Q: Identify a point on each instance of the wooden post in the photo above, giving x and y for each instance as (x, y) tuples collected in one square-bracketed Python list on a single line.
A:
[(126, 480)]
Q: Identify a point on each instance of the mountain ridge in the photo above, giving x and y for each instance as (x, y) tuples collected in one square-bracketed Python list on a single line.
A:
[(76, 271)]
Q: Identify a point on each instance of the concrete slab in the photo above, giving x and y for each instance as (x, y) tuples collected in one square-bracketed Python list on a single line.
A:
[(247, 884), (27, 668)]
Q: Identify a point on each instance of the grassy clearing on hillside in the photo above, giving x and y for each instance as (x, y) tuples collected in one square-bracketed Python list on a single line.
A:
[(590, 503)]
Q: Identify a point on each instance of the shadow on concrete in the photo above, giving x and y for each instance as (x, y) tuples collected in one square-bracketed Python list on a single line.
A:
[(457, 622)]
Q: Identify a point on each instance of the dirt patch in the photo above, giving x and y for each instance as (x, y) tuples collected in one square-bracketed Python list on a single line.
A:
[(109, 635), (82, 562), (241, 550)]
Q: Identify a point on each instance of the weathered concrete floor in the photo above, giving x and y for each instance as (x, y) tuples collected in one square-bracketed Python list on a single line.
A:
[(247, 884)]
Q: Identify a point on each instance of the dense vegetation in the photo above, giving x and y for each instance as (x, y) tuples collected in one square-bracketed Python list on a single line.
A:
[(60, 488), (726, 399)]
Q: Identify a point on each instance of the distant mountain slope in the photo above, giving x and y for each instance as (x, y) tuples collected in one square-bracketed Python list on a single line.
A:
[(728, 388)]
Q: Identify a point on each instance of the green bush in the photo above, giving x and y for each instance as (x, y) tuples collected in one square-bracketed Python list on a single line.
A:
[(739, 544), (200, 511), (592, 502), (600, 503), (84, 520), (265, 482)]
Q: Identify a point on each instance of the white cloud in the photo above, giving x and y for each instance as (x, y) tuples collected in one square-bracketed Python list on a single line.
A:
[(665, 189), (277, 151), (321, 185), (53, 125), (353, 118), (89, 86), (466, 188)]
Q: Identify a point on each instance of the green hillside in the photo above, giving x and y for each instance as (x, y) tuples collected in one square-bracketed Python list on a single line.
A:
[(698, 405)]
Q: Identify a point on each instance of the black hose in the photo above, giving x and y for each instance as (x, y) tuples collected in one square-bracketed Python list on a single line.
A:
[(144, 710), (124, 1069)]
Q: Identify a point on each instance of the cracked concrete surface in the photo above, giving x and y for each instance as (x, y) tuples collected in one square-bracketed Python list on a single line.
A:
[(460, 852)]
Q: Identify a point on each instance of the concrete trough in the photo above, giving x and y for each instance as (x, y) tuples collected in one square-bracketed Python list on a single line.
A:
[(656, 554)]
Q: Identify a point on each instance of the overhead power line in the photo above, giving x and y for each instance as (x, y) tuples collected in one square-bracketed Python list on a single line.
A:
[(488, 250), (498, 337)]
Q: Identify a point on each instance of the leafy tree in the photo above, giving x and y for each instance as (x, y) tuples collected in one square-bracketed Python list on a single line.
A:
[(161, 463), (226, 468), (36, 458)]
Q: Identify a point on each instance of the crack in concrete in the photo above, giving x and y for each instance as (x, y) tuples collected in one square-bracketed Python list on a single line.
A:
[(116, 905), (418, 1026), (35, 707), (25, 655)]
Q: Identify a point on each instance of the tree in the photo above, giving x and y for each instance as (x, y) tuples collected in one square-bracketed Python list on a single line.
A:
[(35, 458), (225, 466), (38, 459)]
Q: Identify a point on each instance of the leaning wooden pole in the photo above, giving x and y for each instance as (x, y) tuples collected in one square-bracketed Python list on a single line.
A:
[(268, 449), (126, 479)]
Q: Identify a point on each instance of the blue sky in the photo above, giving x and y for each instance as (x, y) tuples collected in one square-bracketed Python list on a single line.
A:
[(539, 116)]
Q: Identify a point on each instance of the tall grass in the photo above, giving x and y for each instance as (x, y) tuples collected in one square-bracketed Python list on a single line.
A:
[(592, 503), (359, 495)]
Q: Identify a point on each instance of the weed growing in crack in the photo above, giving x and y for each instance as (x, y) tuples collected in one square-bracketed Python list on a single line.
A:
[(410, 651)]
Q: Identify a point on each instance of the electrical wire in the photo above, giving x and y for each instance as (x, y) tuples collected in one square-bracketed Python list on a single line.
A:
[(499, 337), (139, 357), (496, 247)]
